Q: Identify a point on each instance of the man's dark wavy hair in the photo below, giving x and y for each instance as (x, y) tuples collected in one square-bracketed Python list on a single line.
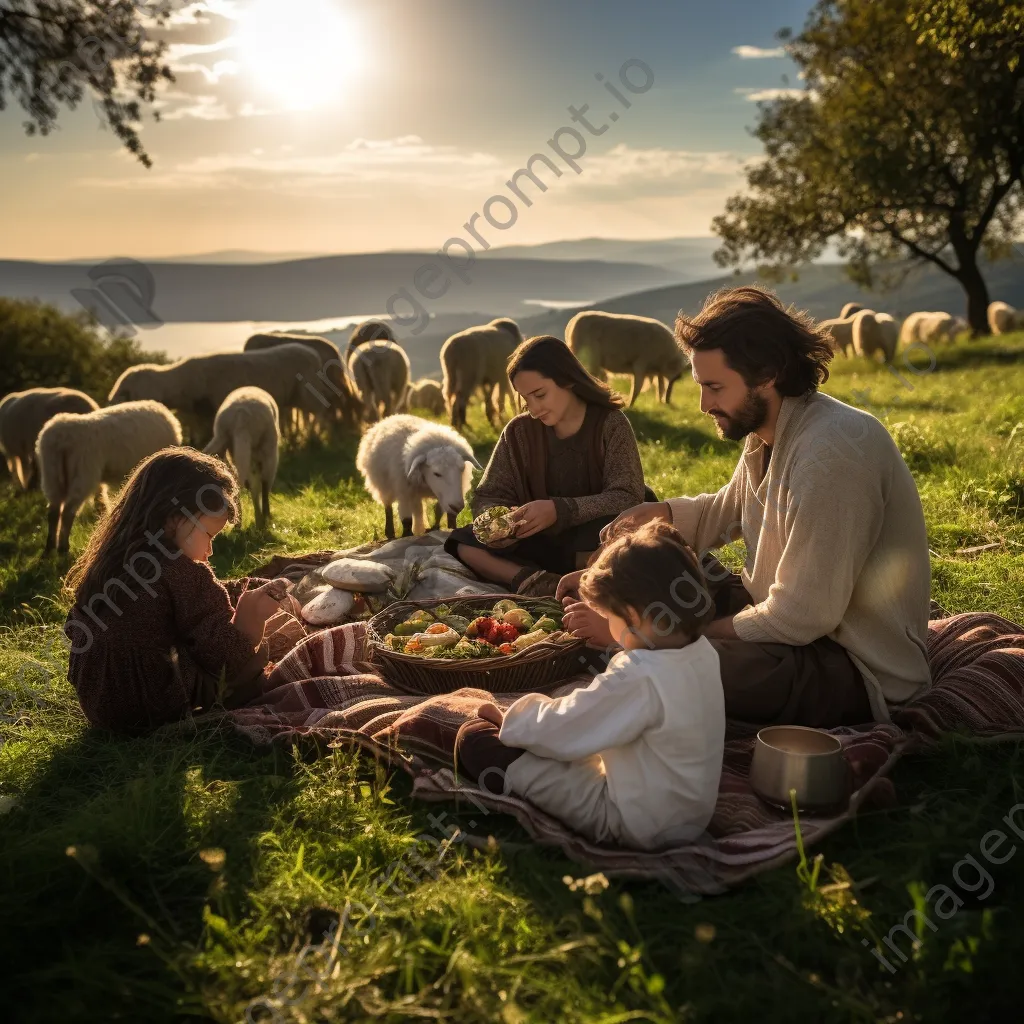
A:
[(762, 340)]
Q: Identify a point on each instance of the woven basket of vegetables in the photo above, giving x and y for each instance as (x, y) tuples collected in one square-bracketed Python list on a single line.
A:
[(502, 644)]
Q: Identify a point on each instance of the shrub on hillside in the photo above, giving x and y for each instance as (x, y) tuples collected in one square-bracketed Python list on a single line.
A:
[(921, 447), (42, 347)]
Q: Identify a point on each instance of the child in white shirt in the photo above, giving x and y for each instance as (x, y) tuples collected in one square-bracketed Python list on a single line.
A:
[(635, 757)]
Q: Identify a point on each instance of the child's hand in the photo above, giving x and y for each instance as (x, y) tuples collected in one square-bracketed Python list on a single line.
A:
[(491, 713), (253, 608)]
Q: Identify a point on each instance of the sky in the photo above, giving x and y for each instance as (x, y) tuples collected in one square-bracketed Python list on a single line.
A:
[(333, 126)]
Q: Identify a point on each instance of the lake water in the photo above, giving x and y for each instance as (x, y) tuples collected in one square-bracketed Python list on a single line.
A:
[(190, 339)]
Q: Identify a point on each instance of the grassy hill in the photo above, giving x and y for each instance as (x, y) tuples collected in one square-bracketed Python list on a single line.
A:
[(181, 876)]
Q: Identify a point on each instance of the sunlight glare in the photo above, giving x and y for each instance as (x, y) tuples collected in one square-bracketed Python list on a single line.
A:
[(302, 51)]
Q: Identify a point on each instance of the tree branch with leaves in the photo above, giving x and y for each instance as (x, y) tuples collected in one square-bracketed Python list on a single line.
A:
[(55, 52)]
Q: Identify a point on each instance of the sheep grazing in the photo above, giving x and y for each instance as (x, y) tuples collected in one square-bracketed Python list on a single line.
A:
[(850, 309), (620, 343), (1003, 318), (406, 459), (874, 332), (381, 372), (426, 394), (195, 387), (80, 453), (333, 386), (366, 332), (927, 327), (476, 359), (23, 414), (246, 428), (840, 329)]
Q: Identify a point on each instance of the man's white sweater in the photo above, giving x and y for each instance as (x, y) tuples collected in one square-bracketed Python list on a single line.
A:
[(836, 543)]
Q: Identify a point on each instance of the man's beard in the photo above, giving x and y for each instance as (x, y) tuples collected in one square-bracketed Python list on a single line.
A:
[(750, 416)]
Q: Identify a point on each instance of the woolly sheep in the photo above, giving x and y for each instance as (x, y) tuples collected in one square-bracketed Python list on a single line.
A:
[(247, 428), (926, 327), (380, 370), (476, 359), (80, 453), (850, 309), (23, 414), (1003, 318), (406, 459), (197, 386), (840, 330), (426, 394), (875, 332), (621, 343), (367, 331), (334, 386)]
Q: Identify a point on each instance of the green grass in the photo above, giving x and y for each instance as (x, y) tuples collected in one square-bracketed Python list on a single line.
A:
[(180, 876)]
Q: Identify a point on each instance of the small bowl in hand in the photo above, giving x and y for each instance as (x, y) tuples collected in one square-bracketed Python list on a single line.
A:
[(809, 761)]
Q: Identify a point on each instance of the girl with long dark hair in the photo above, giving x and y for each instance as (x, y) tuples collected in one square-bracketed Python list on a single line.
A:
[(569, 465)]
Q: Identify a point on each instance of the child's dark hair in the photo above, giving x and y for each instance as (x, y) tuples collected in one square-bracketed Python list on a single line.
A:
[(654, 572), (174, 482)]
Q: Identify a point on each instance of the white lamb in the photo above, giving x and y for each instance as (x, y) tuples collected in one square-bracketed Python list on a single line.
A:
[(23, 414), (875, 332), (476, 359), (406, 459), (426, 394), (197, 386), (247, 428), (621, 343), (381, 372), (926, 327), (80, 453), (1003, 318)]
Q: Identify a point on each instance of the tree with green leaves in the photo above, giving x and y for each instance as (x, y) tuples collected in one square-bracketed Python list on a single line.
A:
[(907, 144), (54, 52)]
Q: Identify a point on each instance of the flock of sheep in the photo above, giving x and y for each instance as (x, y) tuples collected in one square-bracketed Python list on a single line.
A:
[(238, 404)]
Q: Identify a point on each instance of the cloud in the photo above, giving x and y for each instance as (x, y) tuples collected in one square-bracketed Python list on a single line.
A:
[(757, 52), (194, 13), (760, 95), (175, 105), (405, 160)]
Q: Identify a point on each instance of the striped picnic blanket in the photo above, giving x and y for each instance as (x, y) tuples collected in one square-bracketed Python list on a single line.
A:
[(327, 693)]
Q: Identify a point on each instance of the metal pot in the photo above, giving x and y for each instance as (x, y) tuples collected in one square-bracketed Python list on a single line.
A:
[(809, 761)]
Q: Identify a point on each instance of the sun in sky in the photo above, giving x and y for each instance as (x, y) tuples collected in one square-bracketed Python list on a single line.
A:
[(301, 51)]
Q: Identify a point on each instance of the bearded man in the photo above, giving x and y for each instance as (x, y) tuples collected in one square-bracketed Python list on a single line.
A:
[(826, 625)]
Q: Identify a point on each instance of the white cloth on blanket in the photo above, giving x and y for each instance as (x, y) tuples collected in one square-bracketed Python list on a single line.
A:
[(635, 757), (440, 575)]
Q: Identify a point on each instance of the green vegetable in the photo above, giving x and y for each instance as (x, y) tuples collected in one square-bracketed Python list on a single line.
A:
[(519, 617), (459, 622), (502, 606), (409, 627), (546, 623), (442, 611)]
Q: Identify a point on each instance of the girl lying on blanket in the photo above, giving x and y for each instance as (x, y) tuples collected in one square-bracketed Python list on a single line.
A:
[(635, 757), (153, 634)]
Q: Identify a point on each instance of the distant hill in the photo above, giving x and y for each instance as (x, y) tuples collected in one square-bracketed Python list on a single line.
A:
[(336, 285), (221, 256), (689, 259)]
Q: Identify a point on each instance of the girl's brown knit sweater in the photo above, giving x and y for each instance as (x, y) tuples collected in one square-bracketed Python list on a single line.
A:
[(146, 653), (595, 472)]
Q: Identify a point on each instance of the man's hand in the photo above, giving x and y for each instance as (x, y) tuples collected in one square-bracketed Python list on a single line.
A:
[(569, 585), (254, 607), (637, 516), (535, 516), (491, 713), (581, 620)]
